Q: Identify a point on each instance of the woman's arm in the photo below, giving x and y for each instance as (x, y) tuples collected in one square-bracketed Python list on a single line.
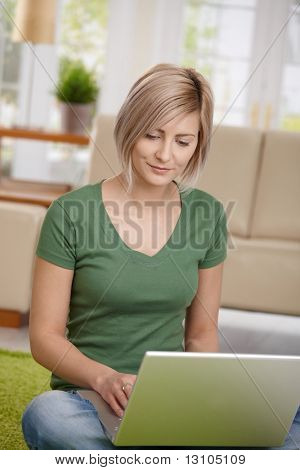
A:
[(201, 323), (47, 325)]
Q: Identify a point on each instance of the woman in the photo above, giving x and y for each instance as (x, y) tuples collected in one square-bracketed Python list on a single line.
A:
[(123, 262)]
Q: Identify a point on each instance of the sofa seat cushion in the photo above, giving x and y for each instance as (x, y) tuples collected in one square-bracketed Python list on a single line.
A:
[(262, 275)]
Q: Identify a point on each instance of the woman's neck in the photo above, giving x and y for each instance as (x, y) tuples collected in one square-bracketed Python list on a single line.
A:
[(143, 192)]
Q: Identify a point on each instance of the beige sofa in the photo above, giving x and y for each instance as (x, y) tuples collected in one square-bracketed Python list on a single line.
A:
[(256, 175)]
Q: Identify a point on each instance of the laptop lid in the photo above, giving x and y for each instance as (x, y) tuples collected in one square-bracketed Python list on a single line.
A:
[(207, 399), (211, 399)]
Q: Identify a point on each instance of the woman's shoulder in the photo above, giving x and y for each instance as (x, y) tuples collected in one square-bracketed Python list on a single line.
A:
[(199, 196), (83, 194), (205, 208), (75, 204)]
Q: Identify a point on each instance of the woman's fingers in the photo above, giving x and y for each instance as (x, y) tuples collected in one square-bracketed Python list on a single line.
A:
[(115, 405), (117, 391), (121, 398), (127, 388)]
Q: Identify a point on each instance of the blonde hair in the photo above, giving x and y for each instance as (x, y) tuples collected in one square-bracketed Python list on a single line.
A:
[(158, 96)]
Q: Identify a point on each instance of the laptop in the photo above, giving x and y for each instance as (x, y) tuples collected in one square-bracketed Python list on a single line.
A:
[(206, 399)]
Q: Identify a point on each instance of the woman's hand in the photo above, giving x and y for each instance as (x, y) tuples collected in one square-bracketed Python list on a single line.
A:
[(110, 388)]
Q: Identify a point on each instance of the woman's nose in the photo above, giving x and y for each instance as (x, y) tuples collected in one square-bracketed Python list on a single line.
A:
[(164, 151)]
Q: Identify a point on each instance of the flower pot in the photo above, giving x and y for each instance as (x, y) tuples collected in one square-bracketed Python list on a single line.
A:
[(76, 118)]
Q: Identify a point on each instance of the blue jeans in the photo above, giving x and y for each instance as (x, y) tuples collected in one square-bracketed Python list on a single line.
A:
[(64, 420)]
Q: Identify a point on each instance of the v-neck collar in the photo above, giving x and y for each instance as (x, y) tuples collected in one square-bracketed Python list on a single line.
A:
[(162, 253)]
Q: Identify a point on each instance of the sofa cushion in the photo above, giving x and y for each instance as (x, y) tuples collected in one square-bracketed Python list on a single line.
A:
[(104, 162), (277, 204), (262, 274), (231, 171)]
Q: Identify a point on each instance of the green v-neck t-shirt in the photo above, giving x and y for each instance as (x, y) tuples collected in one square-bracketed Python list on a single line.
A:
[(124, 302)]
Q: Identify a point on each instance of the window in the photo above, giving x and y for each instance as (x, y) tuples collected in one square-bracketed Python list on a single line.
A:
[(213, 45), (9, 67), (248, 64), (289, 110), (83, 35), (10, 54)]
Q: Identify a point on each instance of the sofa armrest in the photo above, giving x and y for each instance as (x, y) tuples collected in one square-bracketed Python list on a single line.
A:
[(20, 227)]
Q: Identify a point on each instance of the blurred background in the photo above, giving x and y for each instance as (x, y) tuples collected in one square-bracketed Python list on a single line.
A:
[(249, 50), (66, 67)]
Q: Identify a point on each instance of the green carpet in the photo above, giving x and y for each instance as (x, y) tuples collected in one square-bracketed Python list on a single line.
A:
[(21, 379)]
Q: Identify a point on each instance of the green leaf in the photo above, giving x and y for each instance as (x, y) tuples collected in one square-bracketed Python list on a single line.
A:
[(76, 84)]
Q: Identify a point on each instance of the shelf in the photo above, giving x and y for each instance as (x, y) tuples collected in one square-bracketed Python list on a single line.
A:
[(31, 192), (41, 134)]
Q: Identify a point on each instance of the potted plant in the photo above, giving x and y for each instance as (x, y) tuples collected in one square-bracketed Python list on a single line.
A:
[(77, 91)]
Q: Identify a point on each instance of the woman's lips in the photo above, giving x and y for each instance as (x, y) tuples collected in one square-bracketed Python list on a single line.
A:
[(160, 170)]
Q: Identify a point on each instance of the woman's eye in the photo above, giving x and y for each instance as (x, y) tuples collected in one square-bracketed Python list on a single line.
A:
[(152, 136), (180, 142), (185, 144)]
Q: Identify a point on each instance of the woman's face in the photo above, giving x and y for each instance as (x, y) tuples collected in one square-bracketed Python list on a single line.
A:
[(170, 147)]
